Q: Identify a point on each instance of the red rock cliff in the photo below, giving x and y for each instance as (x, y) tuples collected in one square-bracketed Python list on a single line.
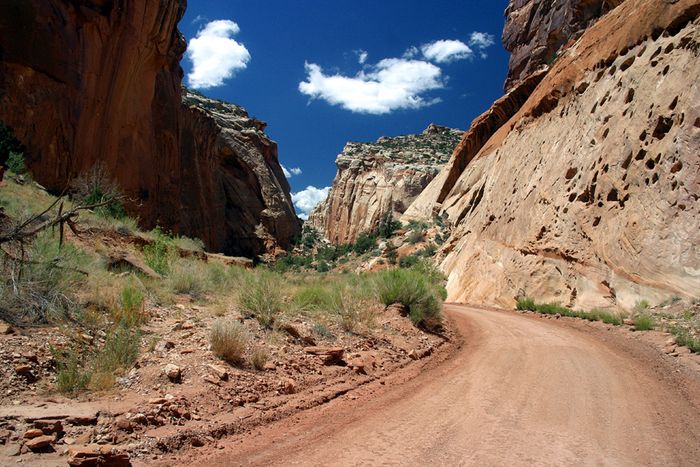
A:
[(100, 80)]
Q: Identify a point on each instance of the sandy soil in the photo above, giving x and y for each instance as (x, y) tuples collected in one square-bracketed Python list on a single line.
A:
[(522, 390)]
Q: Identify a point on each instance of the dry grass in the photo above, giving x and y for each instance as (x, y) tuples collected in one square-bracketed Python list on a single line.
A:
[(228, 340)]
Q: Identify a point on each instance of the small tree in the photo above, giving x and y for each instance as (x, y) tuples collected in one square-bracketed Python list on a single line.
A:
[(387, 225)]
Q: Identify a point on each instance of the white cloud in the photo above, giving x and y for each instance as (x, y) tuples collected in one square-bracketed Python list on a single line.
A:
[(215, 55), (199, 19), (481, 41), (446, 51), (289, 173), (362, 56), (391, 84), (306, 200), (411, 52)]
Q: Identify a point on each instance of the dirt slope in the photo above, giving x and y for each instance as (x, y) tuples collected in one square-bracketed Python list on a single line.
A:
[(520, 391)]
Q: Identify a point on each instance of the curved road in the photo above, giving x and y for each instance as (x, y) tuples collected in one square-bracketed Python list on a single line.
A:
[(521, 391)]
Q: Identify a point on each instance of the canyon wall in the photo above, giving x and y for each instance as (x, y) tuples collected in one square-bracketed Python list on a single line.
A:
[(588, 194), (89, 81), (377, 178), (536, 31)]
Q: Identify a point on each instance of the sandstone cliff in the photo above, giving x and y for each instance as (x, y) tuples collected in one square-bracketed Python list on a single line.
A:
[(376, 178), (89, 81), (537, 30), (588, 194)]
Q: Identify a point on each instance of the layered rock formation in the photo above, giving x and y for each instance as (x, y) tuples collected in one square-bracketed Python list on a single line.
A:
[(588, 195), (537, 30), (374, 179), (89, 81)]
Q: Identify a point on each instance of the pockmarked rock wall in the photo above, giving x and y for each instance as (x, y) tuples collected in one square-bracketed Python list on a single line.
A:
[(588, 194)]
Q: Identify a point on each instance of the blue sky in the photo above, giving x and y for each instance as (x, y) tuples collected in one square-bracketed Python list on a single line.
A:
[(322, 73)]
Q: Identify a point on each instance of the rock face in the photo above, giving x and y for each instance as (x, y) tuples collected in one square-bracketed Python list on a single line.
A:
[(588, 195), (237, 180), (89, 81), (537, 30), (376, 178)]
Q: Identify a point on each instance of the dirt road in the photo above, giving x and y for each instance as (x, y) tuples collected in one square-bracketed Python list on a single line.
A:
[(521, 391)]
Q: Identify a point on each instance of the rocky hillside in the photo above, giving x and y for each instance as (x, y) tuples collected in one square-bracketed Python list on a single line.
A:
[(89, 81), (376, 178), (588, 194)]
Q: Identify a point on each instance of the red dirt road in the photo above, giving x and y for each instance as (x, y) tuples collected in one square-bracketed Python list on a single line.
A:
[(520, 391)]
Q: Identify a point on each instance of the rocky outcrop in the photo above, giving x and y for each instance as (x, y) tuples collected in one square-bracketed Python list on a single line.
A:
[(537, 30), (89, 81), (588, 195), (374, 179), (236, 180)]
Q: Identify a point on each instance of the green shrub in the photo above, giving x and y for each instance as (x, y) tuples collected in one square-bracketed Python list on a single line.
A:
[(416, 236), (364, 243), (323, 266), (323, 331), (413, 289), (260, 296), (684, 338), (525, 303), (42, 289), (408, 261), (71, 377), (228, 340), (130, 311), (189, 277), (641, 306), (387, 225), (15, 163), (643, 322), (120, 351), (159, 253), (316, 296)]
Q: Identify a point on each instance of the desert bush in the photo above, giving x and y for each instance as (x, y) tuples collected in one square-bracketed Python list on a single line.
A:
[(96, 186), (415, 236), (259, 358), (260, 295), (71, 377), (120, 351), (413, 289), (364, 243), (525, 304), (387, 225), (130, 310), (643, 322), (408, 261), (641, 306), (15, 163), (315, 296), (684, 338), (41, 289), (228, 340), (159, 253), (189, 277)]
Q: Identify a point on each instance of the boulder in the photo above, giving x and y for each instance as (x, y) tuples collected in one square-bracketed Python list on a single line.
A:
[(330, 355), (39, 443)]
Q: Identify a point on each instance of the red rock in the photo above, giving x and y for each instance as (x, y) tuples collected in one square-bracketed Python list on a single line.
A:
[(103, 83), (5, 328), (219, 371), (33, 433), (97, 457), (39, 443), (330, 355), (23, 369)]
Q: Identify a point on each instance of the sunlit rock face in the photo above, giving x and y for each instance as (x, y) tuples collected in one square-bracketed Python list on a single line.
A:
[(588, 194), (374, 179)]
